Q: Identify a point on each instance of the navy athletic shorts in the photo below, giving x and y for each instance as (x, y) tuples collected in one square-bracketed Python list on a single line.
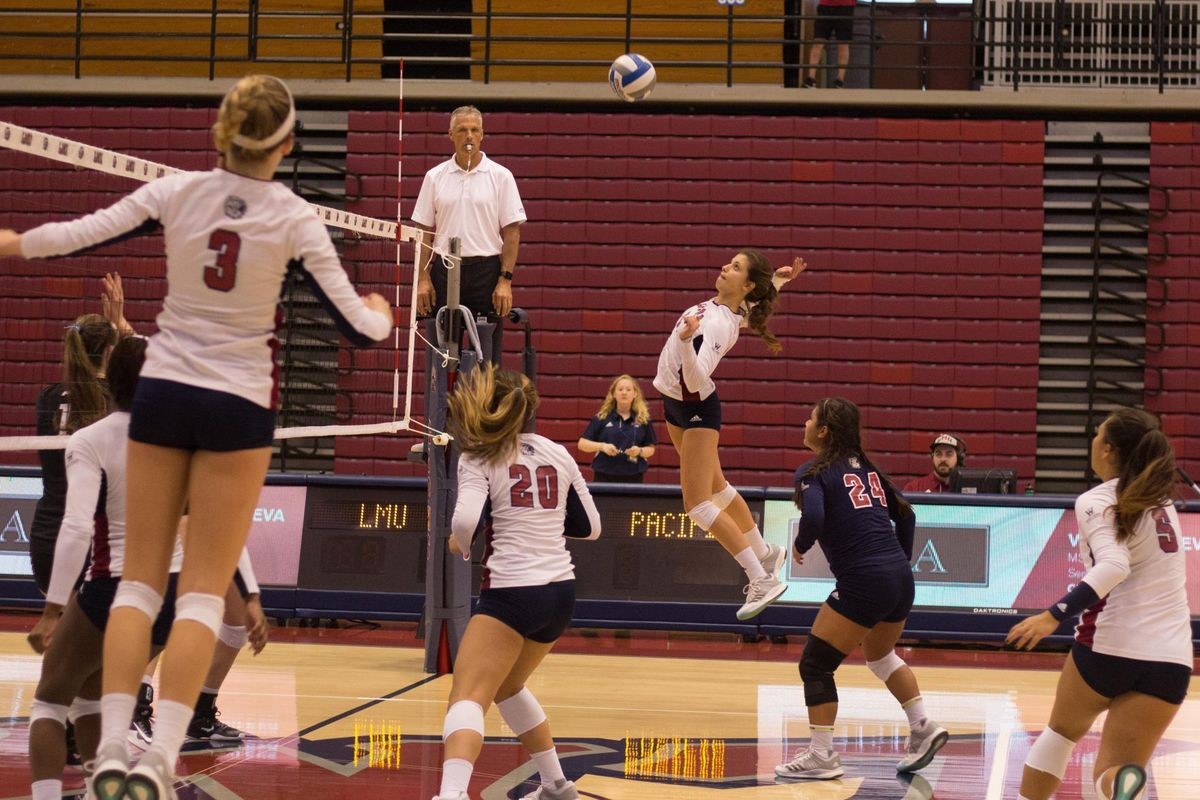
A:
[(183, 417), (1112, 676), (540, 613), (686, 414), (835, 21), (95, 599), (874, 594)]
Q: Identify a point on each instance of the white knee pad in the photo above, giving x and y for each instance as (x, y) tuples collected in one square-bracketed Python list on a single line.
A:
[(704, 514), (40, 709), (82, 708), (521, 712), (1050, 753), (206, 609), (723, 498), (465, 715), (135, 594), (885, 667), (234, 636)]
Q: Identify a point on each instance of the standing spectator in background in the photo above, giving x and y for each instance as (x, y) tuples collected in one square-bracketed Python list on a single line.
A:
[(475, 199), (947, 452), (1132, 654), (835, 19), (620, 434)]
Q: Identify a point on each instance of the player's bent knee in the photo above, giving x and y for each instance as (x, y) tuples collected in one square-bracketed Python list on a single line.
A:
[(465, 715), (234, 636), (1050, 753), (886, 667), (723, 498), (818, 662), (704, 514), (40, 709), (81, 708), (521, 712), (204, 609), (142, 596)]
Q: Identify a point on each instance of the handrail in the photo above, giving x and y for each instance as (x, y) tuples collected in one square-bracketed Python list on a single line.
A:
[(1023, 44)]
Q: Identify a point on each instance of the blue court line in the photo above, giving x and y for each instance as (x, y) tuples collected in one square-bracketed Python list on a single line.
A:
[(365, 706)]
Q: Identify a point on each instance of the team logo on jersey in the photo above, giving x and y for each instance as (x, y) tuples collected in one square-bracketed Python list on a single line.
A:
[(716, 347), (854, 463), (235, 207), (526, 449)]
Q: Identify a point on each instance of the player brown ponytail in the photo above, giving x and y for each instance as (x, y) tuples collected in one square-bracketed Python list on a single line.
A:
[(761, 298), (489, 410), (1146, 466), (85, 346), (254, 108), (842, 418)]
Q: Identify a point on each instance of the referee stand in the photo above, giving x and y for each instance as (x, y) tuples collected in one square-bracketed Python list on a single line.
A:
[(464, 342)]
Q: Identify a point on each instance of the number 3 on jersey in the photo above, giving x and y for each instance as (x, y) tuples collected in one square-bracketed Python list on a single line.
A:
[(222, 275), (522, 493), (858, 492)]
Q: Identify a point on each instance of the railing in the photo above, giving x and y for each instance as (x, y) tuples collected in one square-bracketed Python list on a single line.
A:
[(1009, 43)]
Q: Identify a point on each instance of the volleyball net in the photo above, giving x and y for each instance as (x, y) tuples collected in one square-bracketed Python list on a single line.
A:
[(327, 388)]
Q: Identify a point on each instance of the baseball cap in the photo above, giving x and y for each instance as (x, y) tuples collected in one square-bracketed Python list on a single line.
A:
[(949, 440)]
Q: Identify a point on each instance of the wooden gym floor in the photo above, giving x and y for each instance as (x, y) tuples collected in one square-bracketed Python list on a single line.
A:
[(349, 714)]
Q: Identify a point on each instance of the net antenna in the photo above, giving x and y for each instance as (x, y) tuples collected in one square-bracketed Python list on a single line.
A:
[(56, 148)]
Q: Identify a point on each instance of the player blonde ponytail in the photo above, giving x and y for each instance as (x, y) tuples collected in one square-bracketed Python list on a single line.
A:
[(1146, 466), (761, 298), (489, 410), (85, 346), (253, 116)]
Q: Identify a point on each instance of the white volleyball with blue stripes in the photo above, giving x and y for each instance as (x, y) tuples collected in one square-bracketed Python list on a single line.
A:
[(632, 77)]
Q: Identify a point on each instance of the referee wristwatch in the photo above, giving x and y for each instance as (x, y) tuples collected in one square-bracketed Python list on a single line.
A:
[(506, 275)]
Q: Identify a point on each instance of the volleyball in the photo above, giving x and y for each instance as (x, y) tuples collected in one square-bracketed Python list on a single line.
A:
[(632, 77)]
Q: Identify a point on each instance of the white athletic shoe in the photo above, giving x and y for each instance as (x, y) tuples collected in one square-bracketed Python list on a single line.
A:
[(922, 747), (760, 593), (811, 765), (1128, 782), (774, 559), (459, 796), (151, 779), (107, 781), (916, 787), (562, 791)]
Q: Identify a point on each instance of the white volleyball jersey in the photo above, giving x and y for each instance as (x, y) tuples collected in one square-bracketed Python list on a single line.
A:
[(528, 500), (685, 368), (472, 205), (230, 242), (95, 507), (1143, 611)]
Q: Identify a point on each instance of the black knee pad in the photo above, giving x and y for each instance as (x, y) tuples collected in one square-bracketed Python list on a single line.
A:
[(817, 665)]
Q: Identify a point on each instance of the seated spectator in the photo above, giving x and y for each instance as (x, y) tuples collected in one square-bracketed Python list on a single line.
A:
[(620, 434), (948, 452)]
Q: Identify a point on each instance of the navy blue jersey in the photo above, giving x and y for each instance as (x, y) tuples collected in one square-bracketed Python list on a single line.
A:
[(849, 509)]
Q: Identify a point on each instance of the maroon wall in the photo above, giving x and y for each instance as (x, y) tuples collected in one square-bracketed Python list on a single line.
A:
[(1175, 166), (921, 304)]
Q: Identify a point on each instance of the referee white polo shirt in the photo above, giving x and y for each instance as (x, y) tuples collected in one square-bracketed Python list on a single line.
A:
[(473, 205)]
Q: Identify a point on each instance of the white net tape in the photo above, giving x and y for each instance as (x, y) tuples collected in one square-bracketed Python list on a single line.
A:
[(38, 143)]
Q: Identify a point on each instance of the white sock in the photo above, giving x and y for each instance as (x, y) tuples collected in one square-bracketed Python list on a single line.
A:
[(821, 738), (548, 767), (750, 563), (47, 790), (170, 727), (757, 543), (116, 714), (915, 711), (456, 776)]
